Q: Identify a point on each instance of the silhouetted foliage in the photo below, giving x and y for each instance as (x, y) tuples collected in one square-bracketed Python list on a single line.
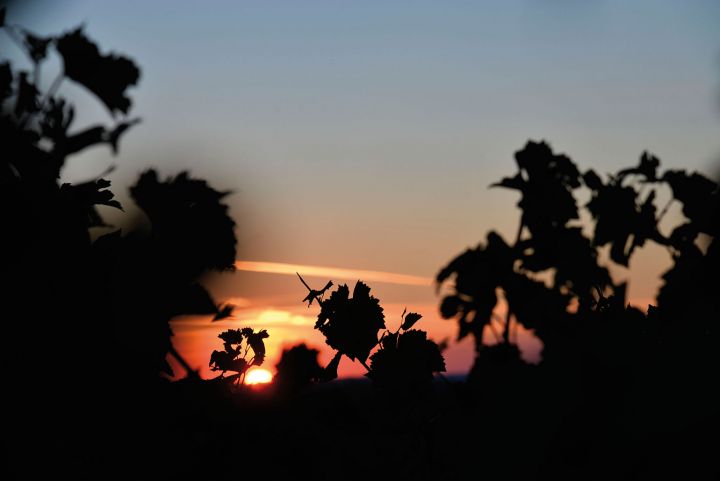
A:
[(403, 361), (103, 301), (620, 392), (351, 324), (625, 217), (234, 356), (298, 368), (613, 380), (107, 76)]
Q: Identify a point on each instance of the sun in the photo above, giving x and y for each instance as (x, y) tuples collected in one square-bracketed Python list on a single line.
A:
[(258, 376)]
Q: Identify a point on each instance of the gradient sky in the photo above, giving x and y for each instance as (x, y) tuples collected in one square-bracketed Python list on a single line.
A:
[(363, 135)]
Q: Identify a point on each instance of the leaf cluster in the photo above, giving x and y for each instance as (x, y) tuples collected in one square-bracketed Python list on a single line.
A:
[(404, 360), (551, 276), (237, 344)]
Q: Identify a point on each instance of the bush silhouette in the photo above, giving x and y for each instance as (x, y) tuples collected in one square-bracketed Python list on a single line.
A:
[(298, 368), (615, 382), (101, 303), (404, 360)]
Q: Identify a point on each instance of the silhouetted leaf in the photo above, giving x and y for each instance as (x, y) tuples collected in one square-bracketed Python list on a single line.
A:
[(699, 196), (621, 221), (36, 46), (478, 273), (233, 357), (547, 199), (256, 343), (517, 182), (450, 306), (410, 319), (406, 362), (107, 76), (350, 325), (232, 336), (189, 221), (534, 305), (224, 312), (647, 168), (592, 180), (330, 371), (298, 367), (570, 253)]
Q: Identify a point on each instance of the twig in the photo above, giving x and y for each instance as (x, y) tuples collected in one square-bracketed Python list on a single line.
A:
[(364, 365), (664, 210)]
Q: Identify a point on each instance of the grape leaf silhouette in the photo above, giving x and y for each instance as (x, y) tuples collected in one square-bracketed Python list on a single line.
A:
[(409, 320), (351, 324), (478, 273), (330, 371), (406, 361), (234, 356), (107, 76), (699, 196), (188, 220), (621, 221), (298, 367), (546, 181), (36, 46)]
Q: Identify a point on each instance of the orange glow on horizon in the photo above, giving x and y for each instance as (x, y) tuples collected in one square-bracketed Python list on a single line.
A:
[(333, 272), (258, 376)]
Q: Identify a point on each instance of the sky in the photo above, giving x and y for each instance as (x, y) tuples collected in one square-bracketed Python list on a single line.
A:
[(363, 135)]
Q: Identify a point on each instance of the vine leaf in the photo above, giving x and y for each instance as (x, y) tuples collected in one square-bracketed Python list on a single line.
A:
[(36, 47), (648, 168), (410, 319), (406, 361), (107, 76), (232, 358), (256, 343), (350, 325), (330, 371)]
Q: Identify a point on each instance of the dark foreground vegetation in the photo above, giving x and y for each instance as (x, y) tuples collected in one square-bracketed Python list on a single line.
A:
[(621, 392)]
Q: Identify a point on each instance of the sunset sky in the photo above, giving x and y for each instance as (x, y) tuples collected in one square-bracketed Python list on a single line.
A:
[(362, 136)]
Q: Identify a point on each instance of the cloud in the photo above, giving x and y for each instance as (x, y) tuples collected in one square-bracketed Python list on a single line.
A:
[(335, 273)]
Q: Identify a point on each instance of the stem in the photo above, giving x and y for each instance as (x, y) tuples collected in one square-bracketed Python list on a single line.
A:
[(190, 371), (520, 229), (495, 333), (506, 331), (665, 209), (508, 323), (51, 91), (53, 88), (364, 365)]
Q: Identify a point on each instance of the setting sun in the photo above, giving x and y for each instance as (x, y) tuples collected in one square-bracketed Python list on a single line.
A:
[(258, 376)]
